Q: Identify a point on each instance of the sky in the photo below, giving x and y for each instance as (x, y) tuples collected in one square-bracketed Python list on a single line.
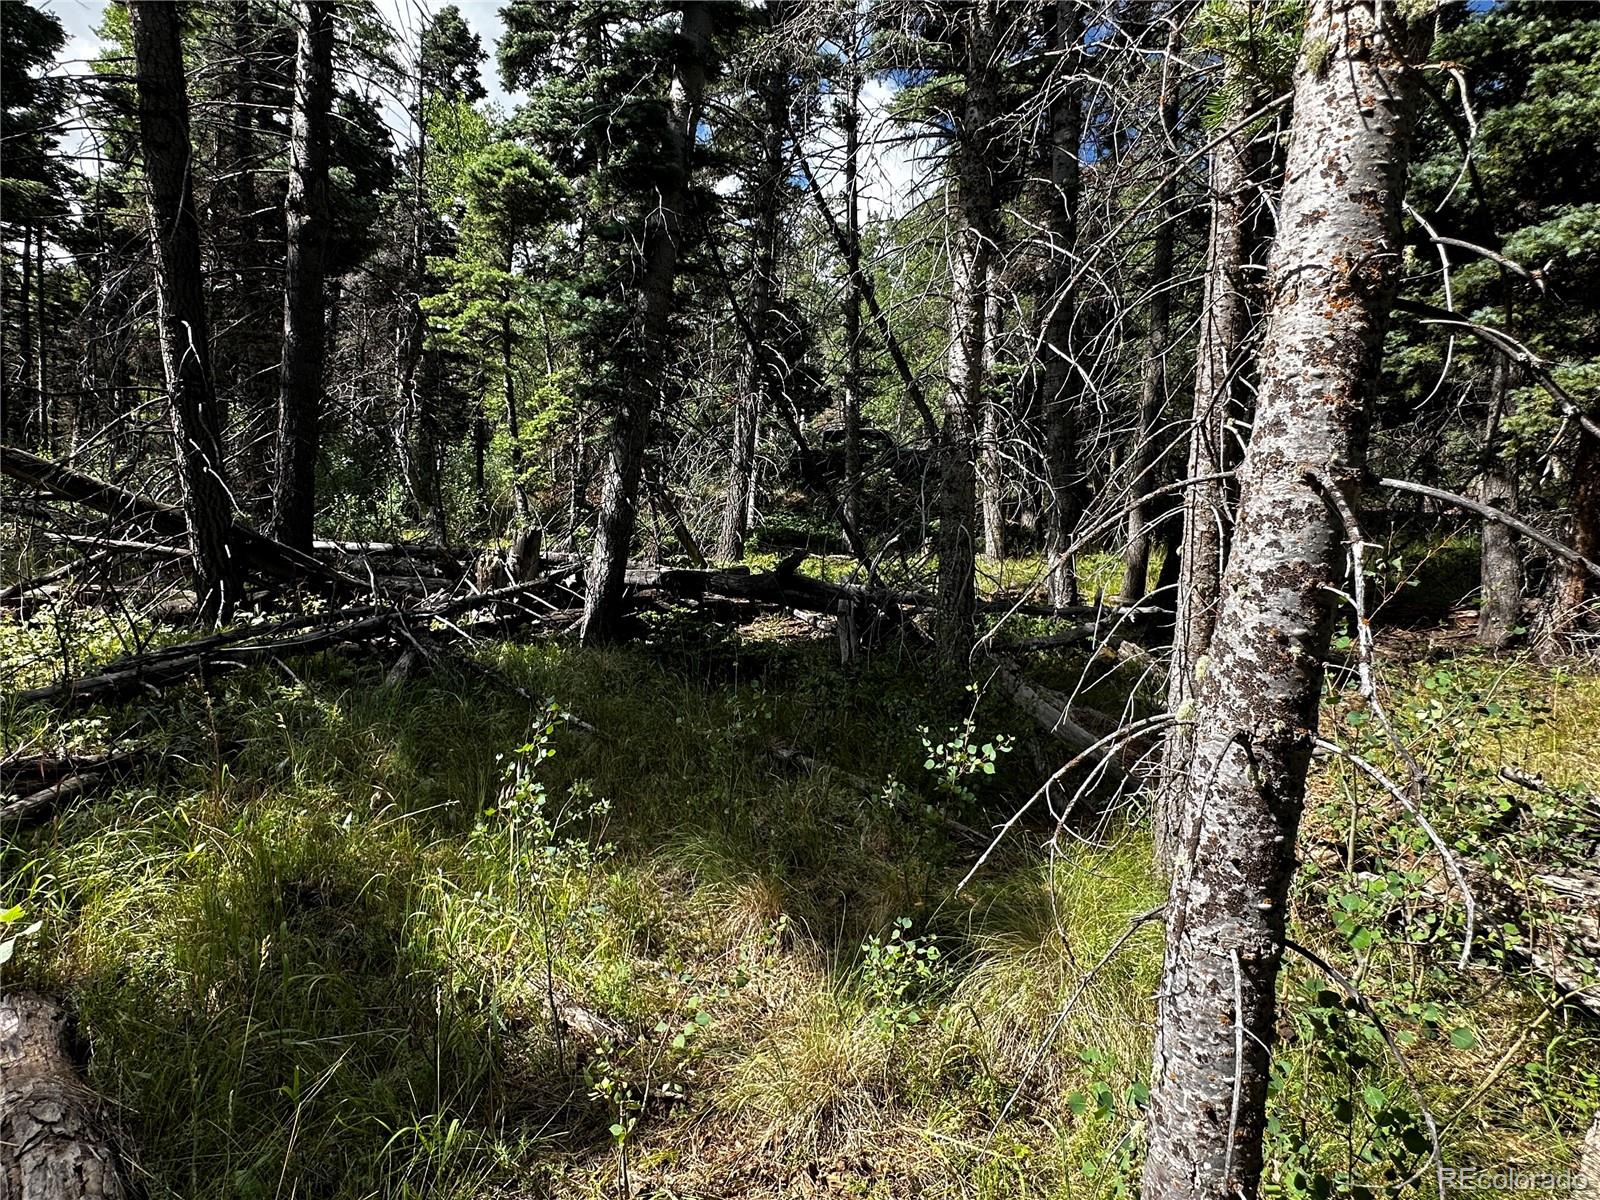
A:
[(891, 171)]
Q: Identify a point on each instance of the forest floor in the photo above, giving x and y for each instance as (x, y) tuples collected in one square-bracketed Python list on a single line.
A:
[(317, 943)]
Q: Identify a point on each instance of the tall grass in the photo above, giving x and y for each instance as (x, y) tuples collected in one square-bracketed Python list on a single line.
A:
[(316, 948)]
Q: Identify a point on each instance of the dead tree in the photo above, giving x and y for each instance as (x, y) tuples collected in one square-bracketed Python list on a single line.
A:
[(304, 327), (1333, 275), (180, 300)]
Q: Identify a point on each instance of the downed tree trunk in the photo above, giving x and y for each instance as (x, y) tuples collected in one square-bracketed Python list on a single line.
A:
[(40, 784), (19, 592), (783, 587), (53, 1144), (272, 558), (1053, 713), (242, 648)]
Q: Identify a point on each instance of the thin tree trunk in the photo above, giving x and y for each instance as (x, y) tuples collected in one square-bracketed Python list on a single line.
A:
[(50, 427), (508, 390), (180, 301), (29, 405), (304, 319), (1060, 380), (411, 412), (851, 120), (630, 432), (972, 200), (990, 466), (1153, 384), (1333, 274), (1224, 327), (761, 386), (1500, 604)]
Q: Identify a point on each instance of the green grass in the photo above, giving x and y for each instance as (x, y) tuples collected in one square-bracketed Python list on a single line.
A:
[(313, 949)]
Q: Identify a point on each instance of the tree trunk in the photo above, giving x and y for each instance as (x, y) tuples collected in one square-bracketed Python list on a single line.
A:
[(990, 465), (1153, 384), (630, 431), (29, 406), (294, 497), (1333, 275), (180, 301), (851, 120), (1573, 593), (973, 205), (1060, 380), (1500, 602), (1224, 327), (762, 384), (52, 1143), (508, 390)]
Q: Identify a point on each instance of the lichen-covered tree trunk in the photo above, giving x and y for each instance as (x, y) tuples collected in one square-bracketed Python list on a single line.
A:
[(304, 319), (973, 205), (1332, 279), (1224, 326), (180, 301), (1060, 380), (52, 1143), (1500, 601), (630, 430)]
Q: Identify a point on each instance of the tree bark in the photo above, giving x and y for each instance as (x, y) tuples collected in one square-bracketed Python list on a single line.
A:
[(1224, 328), (630, 431), (180, 301), (973, 205), (304, 320), (1333, 275), (1061, 383), (1574, 591), (1500, 601), (53, 1145)]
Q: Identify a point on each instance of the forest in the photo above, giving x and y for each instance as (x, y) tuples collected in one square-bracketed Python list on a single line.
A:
[(799, 598)]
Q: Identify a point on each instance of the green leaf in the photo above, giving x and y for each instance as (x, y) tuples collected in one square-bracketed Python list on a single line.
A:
[(1463, 1038), (1375, 1098)]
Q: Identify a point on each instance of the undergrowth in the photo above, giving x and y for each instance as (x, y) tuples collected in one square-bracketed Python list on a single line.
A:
[(692, 926)]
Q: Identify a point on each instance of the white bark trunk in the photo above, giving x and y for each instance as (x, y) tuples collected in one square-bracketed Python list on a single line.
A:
[(1332, 278)]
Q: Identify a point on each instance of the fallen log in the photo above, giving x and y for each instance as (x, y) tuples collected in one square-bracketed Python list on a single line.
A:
[(232, 651), (58, 780), (22, 772), (53, 1139), (21, 590), (1054, 714), (273, 558), (784, 587)]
